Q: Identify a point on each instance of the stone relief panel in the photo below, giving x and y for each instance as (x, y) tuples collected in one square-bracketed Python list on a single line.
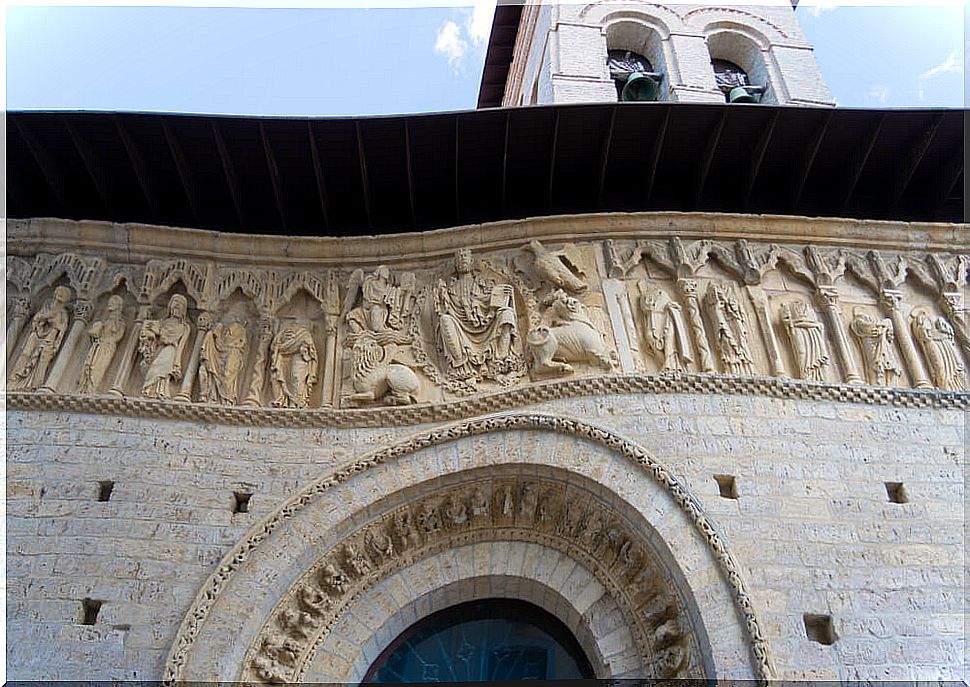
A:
[(538, 510), (426, 330)]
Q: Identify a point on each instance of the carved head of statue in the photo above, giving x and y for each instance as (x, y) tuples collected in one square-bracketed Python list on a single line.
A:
[(178, 306), (62, 294), (115, 304), (463, 261), (383, 273)]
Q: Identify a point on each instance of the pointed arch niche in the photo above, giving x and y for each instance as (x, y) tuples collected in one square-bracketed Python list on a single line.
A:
[(547, 510)]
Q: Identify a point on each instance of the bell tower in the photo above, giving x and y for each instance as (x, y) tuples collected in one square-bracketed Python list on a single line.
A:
[(635, 50)]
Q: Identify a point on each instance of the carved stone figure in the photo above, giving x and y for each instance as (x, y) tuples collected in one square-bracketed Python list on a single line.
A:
[(876, 340), (357, 561), (569, 337), (936, 338), (47, 331), (268, 671), (807, 340), (561, 268), (405, 530), (380, 543), (377, 314), (479, 504), (283, 649), (293, 364), (730, 326), (475, 323), (664, 329), (313, 600), (161, 343), (374, 370), (105, 336), (429, 519), (221, 360), (455, 511), (333, 579)]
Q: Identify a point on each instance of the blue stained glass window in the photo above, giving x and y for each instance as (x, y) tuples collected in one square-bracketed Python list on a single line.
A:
[(492, 639)]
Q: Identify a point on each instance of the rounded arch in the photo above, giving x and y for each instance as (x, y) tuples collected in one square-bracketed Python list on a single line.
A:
[(644, 35), (704, 19), (747, 49), (233, 605), (664, 18), (604, 653)]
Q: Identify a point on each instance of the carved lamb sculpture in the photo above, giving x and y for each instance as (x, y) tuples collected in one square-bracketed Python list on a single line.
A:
[(571, 337)]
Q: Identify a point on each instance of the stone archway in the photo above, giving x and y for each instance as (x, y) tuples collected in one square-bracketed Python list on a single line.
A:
[(273, 601)]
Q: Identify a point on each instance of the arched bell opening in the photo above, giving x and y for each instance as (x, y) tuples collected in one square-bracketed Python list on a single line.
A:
[(636, 60), (494, 639)]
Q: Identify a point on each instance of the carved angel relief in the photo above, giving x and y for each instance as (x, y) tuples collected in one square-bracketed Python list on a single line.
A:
[(377, 314)]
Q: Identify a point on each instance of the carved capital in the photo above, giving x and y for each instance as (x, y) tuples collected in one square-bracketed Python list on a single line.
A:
[(204, 321), (688, 287), (83, 310), (951, 301), (827, 296), (890, 300), (20, 308)]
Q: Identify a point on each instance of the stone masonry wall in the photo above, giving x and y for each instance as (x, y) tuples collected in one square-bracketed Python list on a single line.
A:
[(812, 526)]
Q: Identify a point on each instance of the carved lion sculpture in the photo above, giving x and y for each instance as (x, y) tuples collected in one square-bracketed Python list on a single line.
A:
[(376, 377), (571, 337)]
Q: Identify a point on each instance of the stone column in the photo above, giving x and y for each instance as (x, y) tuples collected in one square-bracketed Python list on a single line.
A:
[(128, 355), (828, 298), (204, 323), (83, 310), (21, 311), (688, 289), (259, 366), (760, 302), (890, 300), (328, 394)]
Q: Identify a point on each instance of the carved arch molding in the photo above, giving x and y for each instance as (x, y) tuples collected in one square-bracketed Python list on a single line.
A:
[(685, 611)]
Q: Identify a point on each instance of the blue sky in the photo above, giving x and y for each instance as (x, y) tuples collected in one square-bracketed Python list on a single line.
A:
[(342, 61)]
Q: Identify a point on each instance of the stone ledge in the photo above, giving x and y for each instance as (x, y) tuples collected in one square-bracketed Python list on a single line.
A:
[(770, 387)]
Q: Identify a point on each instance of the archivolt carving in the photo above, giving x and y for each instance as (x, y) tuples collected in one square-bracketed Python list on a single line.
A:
[(502, 509), (440, 329), (409, 528)]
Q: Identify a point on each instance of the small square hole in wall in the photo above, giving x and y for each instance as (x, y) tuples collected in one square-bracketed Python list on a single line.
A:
[(819, 628), (89, 611), (104, 490), (896, 492), (727, 486), (240, 502)]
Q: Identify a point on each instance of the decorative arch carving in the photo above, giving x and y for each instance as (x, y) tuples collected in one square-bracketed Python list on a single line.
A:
[(409, 461), (161, 275)]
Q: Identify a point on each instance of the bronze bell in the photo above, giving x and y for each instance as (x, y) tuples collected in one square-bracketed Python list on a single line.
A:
[(742, 94), (640, 86)]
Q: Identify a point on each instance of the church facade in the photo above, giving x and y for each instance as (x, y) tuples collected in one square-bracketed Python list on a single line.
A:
[(641, 443)]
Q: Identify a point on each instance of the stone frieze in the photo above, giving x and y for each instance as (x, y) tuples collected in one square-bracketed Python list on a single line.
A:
[(492, 325)]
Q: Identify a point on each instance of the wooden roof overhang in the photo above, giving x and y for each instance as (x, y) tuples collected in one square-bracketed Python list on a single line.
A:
[(360, 176)]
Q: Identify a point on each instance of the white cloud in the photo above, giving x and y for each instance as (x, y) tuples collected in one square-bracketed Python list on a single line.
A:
[(952, 63), (879, 93), (816, 7), (450, 44), (479, 24)]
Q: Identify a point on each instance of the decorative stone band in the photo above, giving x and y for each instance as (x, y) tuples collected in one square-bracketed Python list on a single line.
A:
[(689, 505), (565, 519), (667, 383)]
